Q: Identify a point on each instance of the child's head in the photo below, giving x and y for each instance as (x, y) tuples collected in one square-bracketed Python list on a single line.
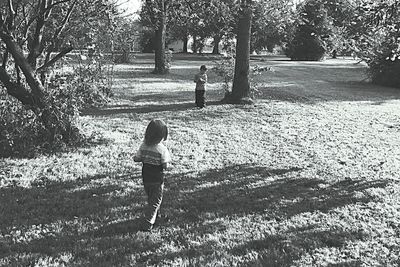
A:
[(156, 132), (203, 68)]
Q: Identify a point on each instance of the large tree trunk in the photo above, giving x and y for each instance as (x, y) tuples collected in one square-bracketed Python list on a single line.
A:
[(185, 44), (194, 44), (217, 40), (241, 84), (160, 60), (36, 99), (31, 92)]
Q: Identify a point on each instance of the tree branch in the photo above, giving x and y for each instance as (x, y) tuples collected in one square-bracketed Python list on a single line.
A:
[(58, 32), (65, 20), (34, 44), (14, 89), (151, 11), (5, 58), (28, 22), (49, 7), (10, 19), (54, 59), (47, 11), (22, 63)]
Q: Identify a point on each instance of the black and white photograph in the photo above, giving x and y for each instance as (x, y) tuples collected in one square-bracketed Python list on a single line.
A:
[(200, 133)]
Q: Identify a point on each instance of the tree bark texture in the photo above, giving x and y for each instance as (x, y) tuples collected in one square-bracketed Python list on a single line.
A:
[(217, 40), (194, 44), (185, 44), (159, 50), (35, 99), (241, 84)]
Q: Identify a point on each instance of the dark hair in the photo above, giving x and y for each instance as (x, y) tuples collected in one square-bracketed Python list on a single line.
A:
[(156, 131), (203, 67)]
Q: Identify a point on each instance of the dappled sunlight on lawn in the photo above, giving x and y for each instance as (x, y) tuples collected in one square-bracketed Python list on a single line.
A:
[(308, 176), (97, 218)]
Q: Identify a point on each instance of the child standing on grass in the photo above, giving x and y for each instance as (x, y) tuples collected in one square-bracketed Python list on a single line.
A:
[(201, 79), (155, 158)]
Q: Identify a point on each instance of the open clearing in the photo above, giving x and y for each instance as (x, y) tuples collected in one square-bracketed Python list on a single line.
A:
[(308, 176)]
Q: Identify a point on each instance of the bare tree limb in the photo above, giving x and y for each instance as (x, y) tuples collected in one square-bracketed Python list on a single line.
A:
[(1, 19), (11, 15), (48, 10), (14, 89), (54, 59), (5, 58), (28, 22), (58, 32), (18, 73), (36, 41), (57, 3), (153, 18), (23, 64), (65, 21)]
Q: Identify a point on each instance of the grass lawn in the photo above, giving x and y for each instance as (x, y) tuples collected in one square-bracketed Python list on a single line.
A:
[(308, 176)]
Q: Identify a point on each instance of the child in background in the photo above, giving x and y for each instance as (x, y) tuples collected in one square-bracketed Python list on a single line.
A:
[(155, 158), (201, 79)]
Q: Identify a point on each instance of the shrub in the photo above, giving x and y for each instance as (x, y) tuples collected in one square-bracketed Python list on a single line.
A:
[(226, 69), (381, 50), (306, 45), (384, 68), (307, 40), (20, 129), (88, 85), (374, 37), (22, 134)]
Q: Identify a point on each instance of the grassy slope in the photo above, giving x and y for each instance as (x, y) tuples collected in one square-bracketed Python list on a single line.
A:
[(309, 176)]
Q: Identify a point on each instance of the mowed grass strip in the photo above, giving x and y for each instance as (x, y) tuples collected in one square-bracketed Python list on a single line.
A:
[(308, 176)]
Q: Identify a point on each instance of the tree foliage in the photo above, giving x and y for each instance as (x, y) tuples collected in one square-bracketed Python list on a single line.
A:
[(33, 38), (310, 33), (374, 35), (270, 24), (196, 19), (25, 44), (124, 35), (219, 22)]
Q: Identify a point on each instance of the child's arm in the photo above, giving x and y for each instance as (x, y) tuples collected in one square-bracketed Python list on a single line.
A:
[(138, 155), (165, 159), (203, 78)]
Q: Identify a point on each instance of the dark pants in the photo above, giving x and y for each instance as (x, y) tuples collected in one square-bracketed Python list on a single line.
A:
[(154, 193), (200, 98)]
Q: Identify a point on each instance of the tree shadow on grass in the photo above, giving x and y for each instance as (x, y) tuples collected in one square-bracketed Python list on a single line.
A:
[(282, 250), (92, 218), (246, 189), (144, 109), (97, 222), (276, 195), (49, 201)]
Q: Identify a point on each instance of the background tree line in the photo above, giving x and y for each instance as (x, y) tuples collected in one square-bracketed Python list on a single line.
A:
[(39, 105)]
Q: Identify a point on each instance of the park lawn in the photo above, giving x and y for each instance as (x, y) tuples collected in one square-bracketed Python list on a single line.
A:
[(308, 176)]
